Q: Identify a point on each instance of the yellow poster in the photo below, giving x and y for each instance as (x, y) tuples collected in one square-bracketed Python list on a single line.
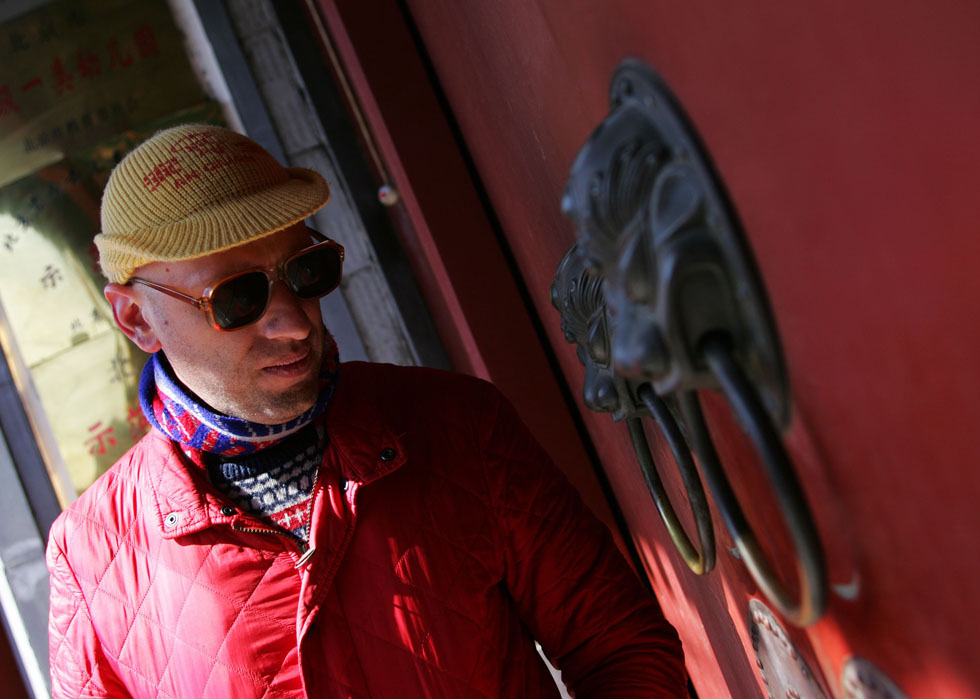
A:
[(84, 371), (82, 82), (77, 71)]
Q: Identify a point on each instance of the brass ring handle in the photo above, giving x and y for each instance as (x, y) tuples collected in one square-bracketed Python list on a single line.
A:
[(754, 420), (699, 562)]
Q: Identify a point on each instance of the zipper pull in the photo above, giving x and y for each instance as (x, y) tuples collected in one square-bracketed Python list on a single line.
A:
[(305, 558)]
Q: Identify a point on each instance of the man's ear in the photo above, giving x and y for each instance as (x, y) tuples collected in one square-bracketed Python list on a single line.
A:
[(128, 314)]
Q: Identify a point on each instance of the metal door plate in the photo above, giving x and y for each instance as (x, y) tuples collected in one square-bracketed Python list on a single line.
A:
[(782, 667), (860, 679)]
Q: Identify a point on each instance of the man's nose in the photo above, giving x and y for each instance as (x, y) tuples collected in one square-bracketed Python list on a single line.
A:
[(286, 316)]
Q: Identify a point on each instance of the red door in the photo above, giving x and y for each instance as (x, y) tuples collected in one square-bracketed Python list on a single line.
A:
[(846, 135)]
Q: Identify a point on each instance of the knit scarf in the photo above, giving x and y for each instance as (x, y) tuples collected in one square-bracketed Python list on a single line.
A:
[(180, 415), (275, 483)]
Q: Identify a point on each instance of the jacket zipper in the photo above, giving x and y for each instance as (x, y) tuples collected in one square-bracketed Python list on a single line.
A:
[(289, 537), (305, 550)]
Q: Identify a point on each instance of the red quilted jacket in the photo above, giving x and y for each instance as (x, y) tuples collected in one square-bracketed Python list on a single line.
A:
[(445, 542)]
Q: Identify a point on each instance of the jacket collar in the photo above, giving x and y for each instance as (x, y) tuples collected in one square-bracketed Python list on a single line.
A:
[(364, 434), (364, 426), (185, 501)]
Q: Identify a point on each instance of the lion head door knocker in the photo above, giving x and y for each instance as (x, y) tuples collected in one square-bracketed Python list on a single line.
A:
[(578, 296), (685, 308)]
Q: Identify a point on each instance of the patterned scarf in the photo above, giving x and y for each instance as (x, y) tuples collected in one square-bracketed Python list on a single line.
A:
[(275, 483), (170, 408)]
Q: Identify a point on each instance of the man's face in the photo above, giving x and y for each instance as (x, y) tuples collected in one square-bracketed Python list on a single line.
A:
[(266, 372)]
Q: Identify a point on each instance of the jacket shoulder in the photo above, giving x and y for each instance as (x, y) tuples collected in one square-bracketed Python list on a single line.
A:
[(420, 385), (419, 398), (110, 502), (429, 411)]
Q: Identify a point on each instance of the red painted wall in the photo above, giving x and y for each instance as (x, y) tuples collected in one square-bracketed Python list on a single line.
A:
[(847, 136)]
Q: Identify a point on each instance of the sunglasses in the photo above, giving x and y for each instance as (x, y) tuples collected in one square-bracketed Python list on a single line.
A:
[(242, 298)]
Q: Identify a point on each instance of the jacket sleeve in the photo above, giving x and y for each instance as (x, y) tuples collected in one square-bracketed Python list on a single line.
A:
[(574, 591), (78, 664)]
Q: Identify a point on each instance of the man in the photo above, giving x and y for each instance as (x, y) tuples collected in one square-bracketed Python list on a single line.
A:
[(293, 527)]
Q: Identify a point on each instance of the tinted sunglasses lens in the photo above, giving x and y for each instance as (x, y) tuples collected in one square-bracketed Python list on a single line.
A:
[(240, 300), (314, 273)]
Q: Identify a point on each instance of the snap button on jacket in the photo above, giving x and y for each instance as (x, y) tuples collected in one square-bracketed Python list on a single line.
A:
[(445, 545)]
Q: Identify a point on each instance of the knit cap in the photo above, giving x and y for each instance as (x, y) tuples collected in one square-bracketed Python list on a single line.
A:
[(197, 189)]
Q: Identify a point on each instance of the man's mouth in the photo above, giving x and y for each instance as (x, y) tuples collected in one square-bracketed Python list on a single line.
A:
[(295, 364)]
